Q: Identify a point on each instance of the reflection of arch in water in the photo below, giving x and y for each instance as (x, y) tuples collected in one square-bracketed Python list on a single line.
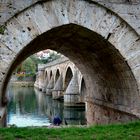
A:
[(48, 106), (68, 77), (74, 115), (41, 102)]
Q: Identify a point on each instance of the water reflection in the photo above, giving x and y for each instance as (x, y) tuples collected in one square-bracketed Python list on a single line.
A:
[(30, 107)]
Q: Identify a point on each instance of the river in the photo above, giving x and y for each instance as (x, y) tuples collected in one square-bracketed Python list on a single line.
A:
[(30, 107)]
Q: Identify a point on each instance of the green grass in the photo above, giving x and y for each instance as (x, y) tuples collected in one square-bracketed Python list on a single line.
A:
[(130, 131)]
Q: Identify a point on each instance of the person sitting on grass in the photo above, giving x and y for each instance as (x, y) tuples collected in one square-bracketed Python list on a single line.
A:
[(56, 120)]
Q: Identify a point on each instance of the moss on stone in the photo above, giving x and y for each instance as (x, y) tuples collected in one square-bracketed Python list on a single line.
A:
[(2, 29)]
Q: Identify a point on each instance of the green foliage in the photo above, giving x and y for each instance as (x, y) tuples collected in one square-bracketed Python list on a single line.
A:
[(29, 66), (35, 59), (2, 29), (130, 131)]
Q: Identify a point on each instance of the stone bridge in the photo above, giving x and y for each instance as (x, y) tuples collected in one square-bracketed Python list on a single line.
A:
[(62, 79), (101, 37)]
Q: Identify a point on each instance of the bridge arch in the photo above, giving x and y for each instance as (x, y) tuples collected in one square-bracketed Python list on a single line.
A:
[(41, 79), (82, 90), (51, 74), (45, 79), (46, 74), (103, 47), (67, 77), (57, 74)]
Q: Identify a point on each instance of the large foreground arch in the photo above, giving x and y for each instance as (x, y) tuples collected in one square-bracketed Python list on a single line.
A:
[(104, 48)]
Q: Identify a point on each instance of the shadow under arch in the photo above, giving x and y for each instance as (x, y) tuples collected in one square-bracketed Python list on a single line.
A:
[(57, 74), (45, 79), (68, 77), (50, 76), (103, 67), (46, 74), (82, 91)]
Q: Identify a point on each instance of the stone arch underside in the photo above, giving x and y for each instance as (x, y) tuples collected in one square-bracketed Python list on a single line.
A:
[(103, 47)]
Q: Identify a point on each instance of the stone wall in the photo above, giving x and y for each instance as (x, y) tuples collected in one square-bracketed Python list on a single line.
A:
[(129, 10)]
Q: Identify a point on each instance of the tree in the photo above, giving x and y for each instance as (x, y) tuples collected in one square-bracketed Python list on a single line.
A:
[(27, 68)]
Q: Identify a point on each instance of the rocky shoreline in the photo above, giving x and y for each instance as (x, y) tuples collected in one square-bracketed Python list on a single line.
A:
[(22, 83)]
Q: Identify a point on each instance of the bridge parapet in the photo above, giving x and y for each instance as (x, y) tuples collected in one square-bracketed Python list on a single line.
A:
[(53, 63)]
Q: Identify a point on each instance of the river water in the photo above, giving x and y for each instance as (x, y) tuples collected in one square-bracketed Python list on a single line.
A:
[(30, 107)]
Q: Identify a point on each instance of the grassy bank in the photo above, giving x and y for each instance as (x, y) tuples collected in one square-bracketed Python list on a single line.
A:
[(129, 131)]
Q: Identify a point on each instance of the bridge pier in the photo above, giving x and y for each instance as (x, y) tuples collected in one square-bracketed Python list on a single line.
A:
[(36, 84), (45, 83), (43, 89), (71, 96), (72, 116), (57, 92), (50, 86), (41, 80)]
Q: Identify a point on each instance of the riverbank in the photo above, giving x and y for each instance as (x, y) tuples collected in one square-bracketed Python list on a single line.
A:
[(22, 83), (104, 132)]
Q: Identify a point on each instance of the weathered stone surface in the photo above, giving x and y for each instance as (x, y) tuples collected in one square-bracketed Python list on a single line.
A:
[(59, 84), (129, 11), (72, 94)]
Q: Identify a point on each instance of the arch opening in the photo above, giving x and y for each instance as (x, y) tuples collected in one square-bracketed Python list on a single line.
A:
[(108, 77), (50, 74), (57, 75), (46, 75), (41, 80), (82, 91), (68, 77)]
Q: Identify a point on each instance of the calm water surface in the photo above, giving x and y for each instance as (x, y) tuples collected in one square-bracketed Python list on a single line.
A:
[(30, 107)]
